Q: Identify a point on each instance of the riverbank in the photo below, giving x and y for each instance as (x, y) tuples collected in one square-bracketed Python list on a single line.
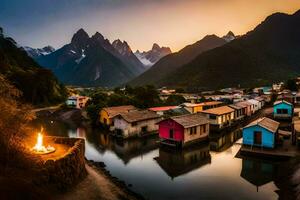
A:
[(99, 184)]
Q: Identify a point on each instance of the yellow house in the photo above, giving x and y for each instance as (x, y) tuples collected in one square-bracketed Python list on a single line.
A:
[(198, 107), (107, 114)]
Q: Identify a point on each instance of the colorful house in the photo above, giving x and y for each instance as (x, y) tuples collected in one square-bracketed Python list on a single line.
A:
[(107, 114), (261, 133), (77, 101), (255, 105), (183, 130), (283, 109), (195, 108), (219, 117), (246, 105), (136, 123), (239, 111)]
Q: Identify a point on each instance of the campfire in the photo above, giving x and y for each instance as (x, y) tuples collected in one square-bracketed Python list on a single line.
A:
[(39, 148)]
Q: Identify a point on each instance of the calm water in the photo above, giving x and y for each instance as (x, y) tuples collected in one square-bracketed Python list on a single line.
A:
[(208, 171)]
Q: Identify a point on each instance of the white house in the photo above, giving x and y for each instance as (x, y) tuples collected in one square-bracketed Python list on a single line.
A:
[(254, 105), (136, 123)]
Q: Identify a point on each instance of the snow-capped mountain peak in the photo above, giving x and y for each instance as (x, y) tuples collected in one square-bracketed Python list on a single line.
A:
[(34, 53), (229, 36)]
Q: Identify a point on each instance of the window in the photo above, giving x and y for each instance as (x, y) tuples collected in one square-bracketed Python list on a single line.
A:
[(204, 128), (134, 124), (212, 117), (282, 111), (193, 130), (171, 133)]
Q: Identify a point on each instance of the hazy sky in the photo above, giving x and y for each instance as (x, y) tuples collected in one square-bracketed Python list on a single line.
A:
[(173, 23)]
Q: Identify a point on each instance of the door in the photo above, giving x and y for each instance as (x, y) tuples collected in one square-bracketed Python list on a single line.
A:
[(171, 134), (257, 137)]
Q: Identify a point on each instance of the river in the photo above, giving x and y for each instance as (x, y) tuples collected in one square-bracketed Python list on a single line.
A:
[(206, 171)]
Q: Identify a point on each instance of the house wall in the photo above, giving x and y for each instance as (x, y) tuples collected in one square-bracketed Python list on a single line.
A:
[(197, 109), (198, 135), (71, 102), (165, 127), (103, 116), (130, 130), (283, 106), (268, 138)]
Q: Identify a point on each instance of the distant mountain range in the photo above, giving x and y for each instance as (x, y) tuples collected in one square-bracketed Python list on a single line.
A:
[(172, 62), (35, 53), (38, 85), (149, 58), (93, 61), (269, 53)]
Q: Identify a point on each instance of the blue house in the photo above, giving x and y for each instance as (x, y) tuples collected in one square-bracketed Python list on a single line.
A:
[(261, 133), (283, 110)]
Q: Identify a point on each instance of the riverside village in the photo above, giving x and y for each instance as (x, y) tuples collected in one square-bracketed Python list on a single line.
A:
[(255, 129), (150, 100)]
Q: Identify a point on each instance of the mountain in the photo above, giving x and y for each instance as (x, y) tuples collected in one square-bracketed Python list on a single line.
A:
[(93, 61), (34, 53), (173, 61), (149, 58), (267, 54), (229, 36), (38, 85)]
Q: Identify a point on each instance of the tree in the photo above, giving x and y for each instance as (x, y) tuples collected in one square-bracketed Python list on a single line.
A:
[(174, 100), (291, 85)]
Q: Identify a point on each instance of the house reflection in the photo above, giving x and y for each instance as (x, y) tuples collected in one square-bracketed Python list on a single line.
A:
[(178, 162), (258, 172), (222, 141), (128, 149)]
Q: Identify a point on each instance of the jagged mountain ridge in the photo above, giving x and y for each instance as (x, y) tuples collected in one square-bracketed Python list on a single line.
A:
[(149, 58), (93, 61)]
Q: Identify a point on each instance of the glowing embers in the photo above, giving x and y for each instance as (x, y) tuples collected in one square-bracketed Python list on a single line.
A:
[(39, 148)]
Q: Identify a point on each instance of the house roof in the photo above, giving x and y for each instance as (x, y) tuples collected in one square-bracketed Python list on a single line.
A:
[(113, 111), (209, 103), (243, 104), (138, 115), (236, 107), (266, 123), (190, 120), (259, 98), (253, 101), (163, 108), (282, 101), (219, 110)]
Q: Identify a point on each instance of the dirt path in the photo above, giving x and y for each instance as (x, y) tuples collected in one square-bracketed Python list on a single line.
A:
[(96, 186)]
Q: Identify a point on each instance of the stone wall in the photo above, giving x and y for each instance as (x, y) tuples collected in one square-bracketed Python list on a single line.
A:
[(69, 168)]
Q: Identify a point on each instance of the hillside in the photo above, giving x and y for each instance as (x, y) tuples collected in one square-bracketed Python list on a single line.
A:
[(173, 61), (269, 53), (38, 85)]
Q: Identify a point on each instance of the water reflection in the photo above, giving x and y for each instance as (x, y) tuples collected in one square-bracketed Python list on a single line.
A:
[(178, 162), (222, 141), (258, 172), (209, 171)]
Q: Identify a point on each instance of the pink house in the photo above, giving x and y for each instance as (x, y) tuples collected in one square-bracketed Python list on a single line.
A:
[(183, 130)]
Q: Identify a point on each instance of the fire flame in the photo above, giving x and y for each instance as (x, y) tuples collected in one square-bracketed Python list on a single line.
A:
[(39, 147)]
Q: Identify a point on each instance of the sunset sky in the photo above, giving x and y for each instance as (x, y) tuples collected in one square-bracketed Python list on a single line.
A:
[(173, 23)]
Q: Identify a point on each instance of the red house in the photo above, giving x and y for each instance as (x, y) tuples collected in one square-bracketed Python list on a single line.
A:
[(183, 130)]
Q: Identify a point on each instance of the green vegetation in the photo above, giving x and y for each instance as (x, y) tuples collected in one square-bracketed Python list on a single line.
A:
[(38, 85), (14, 118), (291, 85), (140, 97)]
